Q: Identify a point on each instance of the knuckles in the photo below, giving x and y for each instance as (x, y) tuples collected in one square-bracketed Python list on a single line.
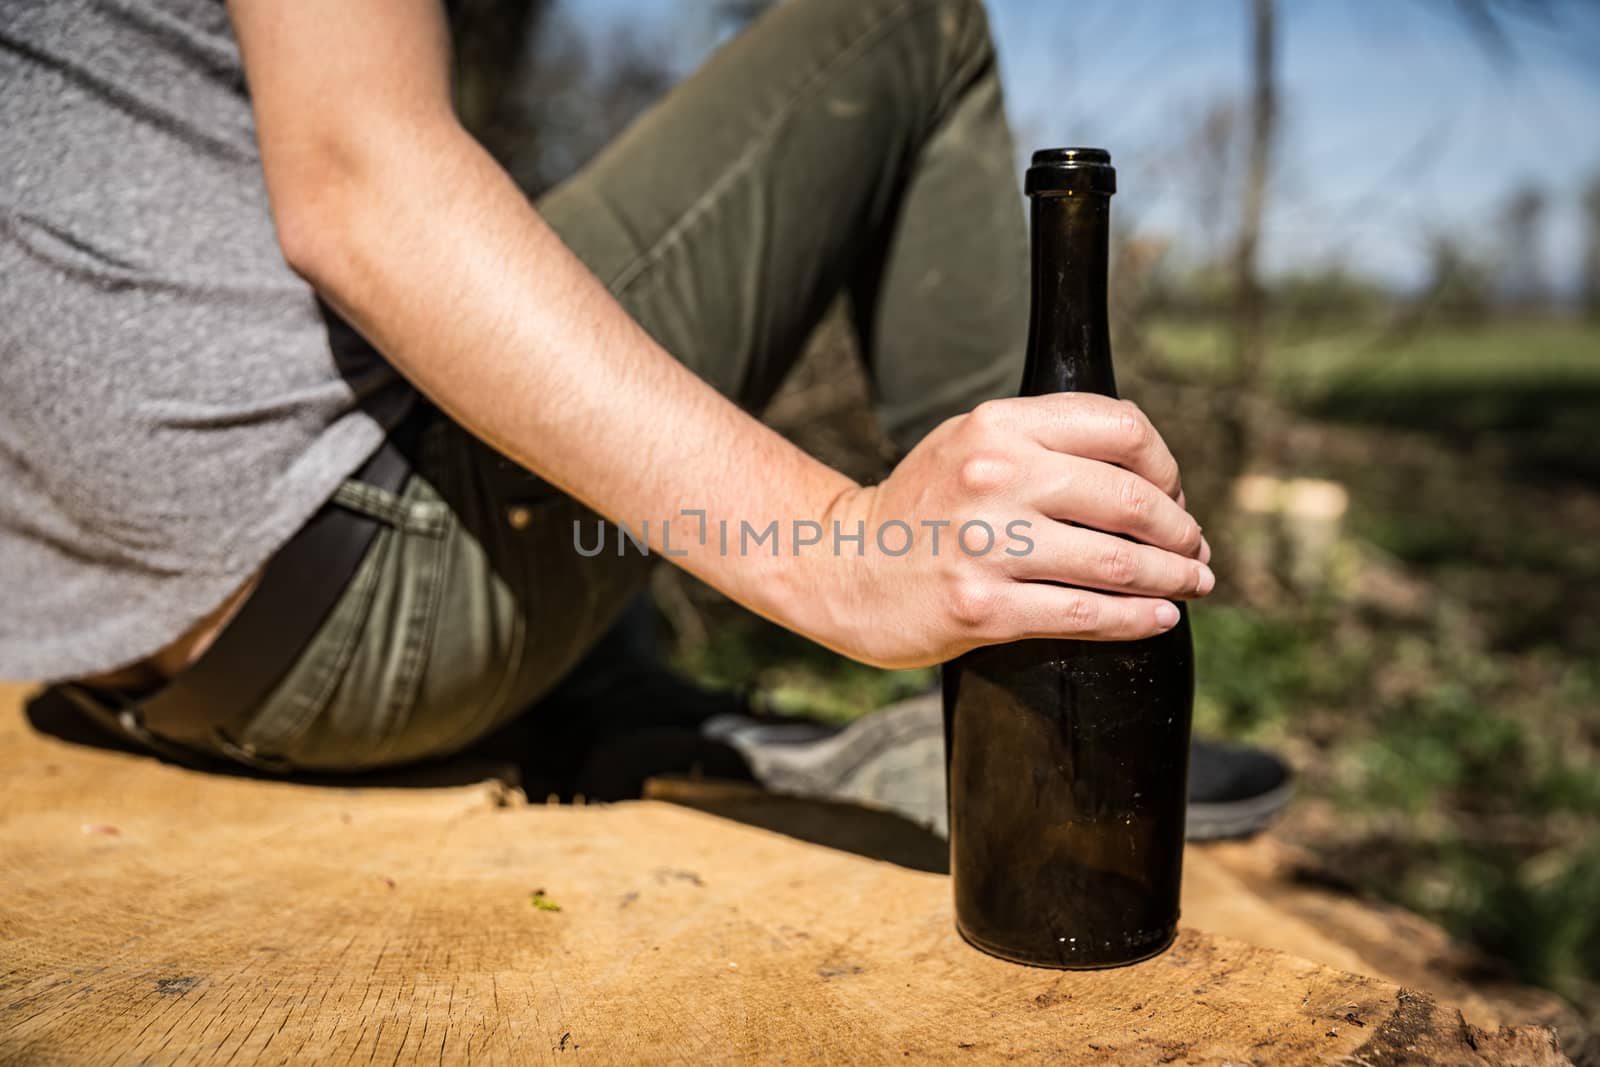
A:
[(1134, 500), (984, 473), (972, 605), (1117, 565), (1190, 543), (1133, 428), (1081, 615), (989, 417)]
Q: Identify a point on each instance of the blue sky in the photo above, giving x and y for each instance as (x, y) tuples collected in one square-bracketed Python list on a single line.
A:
[(1396, 118)]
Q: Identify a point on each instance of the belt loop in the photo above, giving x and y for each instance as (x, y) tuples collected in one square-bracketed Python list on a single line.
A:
[(388, 507)]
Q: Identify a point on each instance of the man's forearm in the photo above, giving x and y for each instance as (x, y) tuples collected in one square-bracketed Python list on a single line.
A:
[(438, 258)]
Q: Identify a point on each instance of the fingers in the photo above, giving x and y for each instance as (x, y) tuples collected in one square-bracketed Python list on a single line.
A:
[(1101, 463), (1104, 497), (1095, 427), (1088, 558), (1205, 546), (1039, 609)]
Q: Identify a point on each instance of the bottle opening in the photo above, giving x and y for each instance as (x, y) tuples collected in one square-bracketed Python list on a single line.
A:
[(1071, 155), (1071, 172)]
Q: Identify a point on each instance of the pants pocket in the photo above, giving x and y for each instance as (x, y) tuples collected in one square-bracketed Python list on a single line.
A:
[(354, 688)]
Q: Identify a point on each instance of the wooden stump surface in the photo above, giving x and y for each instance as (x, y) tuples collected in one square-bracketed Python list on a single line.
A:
[(152, 914)]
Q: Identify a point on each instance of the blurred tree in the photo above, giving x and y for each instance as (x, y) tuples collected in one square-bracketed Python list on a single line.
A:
[(1589, 293), (1521, 273), (1249, 295), (1489, 21), (1459, 286), (1329, 296), (493, 39), (1211, 156), (580, 95), (541, 96)]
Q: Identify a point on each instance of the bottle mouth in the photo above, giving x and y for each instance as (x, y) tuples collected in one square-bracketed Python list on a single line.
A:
[(1071, 172)]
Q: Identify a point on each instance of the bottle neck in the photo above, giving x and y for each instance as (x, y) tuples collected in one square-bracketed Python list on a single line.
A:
[(1069, 335)]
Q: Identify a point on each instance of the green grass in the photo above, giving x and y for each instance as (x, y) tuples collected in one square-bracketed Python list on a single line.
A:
[(1515, 355), (1513, 358), (1470, 779), (1533, 386), (1255, 675), (1495, 897), (1466, 742)]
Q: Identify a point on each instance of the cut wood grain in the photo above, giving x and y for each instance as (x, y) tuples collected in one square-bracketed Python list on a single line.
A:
[(158, 915)]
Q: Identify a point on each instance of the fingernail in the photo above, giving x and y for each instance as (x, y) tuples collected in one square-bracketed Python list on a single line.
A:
[(1205, 550), (1166, 615), (1207, 581)]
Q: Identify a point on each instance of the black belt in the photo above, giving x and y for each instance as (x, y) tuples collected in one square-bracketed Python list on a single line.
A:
[(297, 590)]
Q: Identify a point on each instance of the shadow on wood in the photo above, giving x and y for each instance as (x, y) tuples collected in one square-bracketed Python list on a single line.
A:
[(878, 835)]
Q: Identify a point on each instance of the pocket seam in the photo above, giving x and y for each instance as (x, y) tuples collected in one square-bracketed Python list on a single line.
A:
[(306, 706), (417, 636)]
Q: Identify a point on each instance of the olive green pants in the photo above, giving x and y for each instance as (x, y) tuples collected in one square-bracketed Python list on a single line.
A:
[(855, 146)]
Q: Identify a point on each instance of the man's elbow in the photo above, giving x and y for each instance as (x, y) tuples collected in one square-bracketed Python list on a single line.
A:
[(319, 185), (313, 236), (336, 198)]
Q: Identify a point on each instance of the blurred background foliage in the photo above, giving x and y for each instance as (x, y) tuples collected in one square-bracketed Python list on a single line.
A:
[(1399, 465)]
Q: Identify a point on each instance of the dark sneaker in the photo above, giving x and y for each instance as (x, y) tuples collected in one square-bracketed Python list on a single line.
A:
[(894, 759), (1234, 790)]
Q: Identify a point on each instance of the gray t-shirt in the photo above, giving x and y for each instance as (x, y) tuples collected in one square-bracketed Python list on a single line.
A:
[(172, 405)]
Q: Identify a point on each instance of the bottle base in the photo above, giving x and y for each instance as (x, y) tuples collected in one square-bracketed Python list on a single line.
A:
[(1150, 951)]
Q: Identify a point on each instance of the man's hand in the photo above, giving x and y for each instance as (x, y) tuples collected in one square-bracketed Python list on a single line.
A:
[(1056, 470)]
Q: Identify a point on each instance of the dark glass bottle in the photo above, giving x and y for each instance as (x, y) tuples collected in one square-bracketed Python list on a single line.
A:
[(1068, 760)]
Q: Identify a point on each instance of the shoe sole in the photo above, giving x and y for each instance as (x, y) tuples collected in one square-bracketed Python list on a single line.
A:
[(1236, 818)]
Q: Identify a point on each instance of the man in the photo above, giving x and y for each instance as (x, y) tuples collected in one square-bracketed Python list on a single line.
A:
[(241, 531)]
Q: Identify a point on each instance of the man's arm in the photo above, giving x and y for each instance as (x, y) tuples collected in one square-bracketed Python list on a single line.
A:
[(408, 227)]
